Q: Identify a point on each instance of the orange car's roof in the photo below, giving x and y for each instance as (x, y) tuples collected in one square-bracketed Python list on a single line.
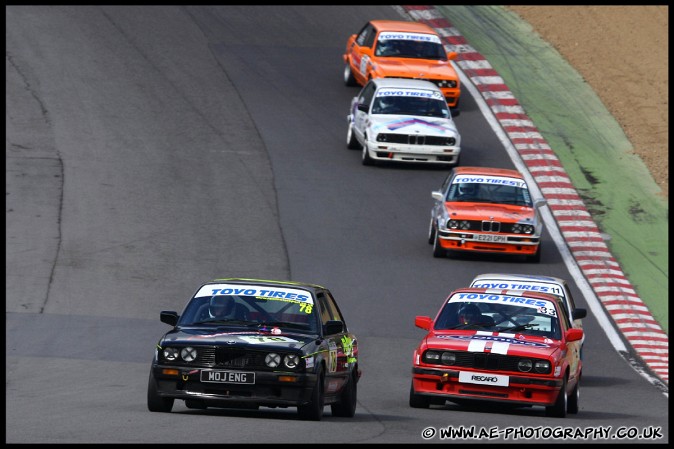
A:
[(399, 25), (464, 170)]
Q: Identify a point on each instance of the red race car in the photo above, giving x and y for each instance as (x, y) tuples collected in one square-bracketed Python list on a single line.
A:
[(512, 347)]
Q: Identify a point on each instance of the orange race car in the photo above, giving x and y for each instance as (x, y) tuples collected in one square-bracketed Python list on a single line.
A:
[(487, 210), (399, 49)]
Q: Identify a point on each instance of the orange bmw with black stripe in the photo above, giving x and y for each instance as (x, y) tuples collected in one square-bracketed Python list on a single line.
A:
[(485, 210)]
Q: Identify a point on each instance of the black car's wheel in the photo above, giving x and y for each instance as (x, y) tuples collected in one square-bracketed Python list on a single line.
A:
[(438, 250), (431, 232), (346, 407), (195, 404), (351, 141), (313, 411), (418, 401), (349, 79), (558, 409), (156, 403), (574, 399)]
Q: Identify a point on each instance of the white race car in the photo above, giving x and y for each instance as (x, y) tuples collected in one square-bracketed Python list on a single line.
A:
[(403, 120), (535, 283)]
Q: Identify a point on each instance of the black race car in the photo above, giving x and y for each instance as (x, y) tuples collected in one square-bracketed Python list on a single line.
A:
[(250, 343)]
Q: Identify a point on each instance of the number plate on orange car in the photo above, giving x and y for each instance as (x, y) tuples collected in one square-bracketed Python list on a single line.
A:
[(490, 238)]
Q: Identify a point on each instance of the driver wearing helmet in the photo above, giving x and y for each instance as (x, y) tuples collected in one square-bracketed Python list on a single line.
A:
[(469, 314), (222, 307), (467, 191)]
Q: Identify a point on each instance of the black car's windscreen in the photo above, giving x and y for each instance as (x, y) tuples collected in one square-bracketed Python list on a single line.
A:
[(298, 315)]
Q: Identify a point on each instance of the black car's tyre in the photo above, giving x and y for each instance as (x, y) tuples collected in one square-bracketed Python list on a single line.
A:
[(558, 409), (346, 407), (349, 79), (351, 141), (418, 401), (156, 403), (195, 404), (313, 411), (574, 399)]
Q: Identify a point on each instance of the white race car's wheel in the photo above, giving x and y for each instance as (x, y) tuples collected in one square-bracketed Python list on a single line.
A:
[(351, 141), (349, 79), (367, 160)]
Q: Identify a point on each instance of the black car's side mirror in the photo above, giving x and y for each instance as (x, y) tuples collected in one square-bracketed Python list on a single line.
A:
[(334, 327), (169, 317), (363, 107)]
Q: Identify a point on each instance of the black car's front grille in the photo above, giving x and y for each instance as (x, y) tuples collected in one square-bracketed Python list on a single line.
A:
[(237, 358), (222, 357), (415, 139)]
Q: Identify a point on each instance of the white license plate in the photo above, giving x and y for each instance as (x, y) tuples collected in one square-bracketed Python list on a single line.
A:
[(498, 380), (227, 377), (490, 238)]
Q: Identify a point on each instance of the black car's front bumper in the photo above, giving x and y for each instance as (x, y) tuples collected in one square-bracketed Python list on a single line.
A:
[(275, 389)]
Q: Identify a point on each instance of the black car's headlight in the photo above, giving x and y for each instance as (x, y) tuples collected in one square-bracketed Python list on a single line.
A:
[(171, 354), (291, 361), (188, 354), (272, 360)]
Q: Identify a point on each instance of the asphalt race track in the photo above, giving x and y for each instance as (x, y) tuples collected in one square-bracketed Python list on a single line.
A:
[(152, 148)]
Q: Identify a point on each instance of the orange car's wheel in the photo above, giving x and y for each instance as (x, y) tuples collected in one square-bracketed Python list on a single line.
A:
[(349, 79), (438, 250), (536, 258), (431, 232)]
